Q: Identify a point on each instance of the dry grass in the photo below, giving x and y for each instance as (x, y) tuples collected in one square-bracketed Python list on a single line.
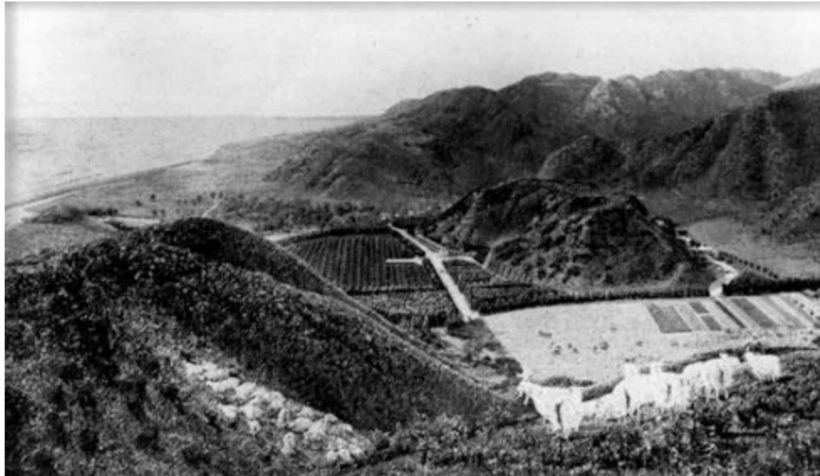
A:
[(32, 238), (787, 260)]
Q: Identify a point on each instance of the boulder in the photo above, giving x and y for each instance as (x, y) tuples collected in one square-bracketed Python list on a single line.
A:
[(341, 429), (309, 413), (245, 391), (317, 431), (289, 444), (283, 419), (223, 386), (229, 411), (300, 424)]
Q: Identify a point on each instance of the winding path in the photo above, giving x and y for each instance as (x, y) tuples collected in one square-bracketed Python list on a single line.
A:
[(437, 260), (207, 213), (729, 272)]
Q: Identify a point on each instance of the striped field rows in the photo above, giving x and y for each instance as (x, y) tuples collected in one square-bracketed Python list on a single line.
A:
[(777, 311)]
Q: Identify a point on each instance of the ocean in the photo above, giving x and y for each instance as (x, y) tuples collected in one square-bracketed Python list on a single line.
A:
[(45, 156)]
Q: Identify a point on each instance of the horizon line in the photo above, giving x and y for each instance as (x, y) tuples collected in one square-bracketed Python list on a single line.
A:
[(197, 116)]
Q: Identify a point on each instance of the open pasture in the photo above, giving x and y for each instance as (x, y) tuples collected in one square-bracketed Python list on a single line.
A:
[(592, 341), (358, 262)]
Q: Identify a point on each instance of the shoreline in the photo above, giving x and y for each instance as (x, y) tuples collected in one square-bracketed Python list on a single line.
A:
[(15, 213), (95, 183)]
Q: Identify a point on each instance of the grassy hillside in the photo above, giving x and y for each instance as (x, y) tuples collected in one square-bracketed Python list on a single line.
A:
[(539, 231), (94, 338)]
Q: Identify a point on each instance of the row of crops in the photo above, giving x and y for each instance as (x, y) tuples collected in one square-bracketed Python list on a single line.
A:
[(490, 294), (415, 309), (358, 262), (763, 312)]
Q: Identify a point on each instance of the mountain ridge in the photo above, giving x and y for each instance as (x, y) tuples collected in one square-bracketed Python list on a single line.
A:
[(765, 153), (452, 141)]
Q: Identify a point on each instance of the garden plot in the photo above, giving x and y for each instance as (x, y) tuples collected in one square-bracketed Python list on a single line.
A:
[(809, 306), (780, 309), (793, 303), (668, 319), (592, 341)]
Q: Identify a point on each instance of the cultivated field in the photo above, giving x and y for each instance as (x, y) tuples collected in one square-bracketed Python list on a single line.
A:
[(592, 341), (358, 262)]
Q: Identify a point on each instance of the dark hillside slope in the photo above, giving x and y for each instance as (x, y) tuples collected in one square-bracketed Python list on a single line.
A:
[(763, 153), (451, 142), (442, 145), (102, 307), (221, 243), (547, 233), (93, 385)]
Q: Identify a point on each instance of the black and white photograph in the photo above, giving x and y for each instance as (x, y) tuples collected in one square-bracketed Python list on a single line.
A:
[(438, 239)]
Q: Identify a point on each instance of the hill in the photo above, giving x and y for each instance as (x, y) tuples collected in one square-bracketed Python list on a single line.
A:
[(805, 80), (442, 146), (544, 232), (95, 339), (766, 153)]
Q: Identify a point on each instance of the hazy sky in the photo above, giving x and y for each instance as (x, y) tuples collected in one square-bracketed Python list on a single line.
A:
[(351, 59)]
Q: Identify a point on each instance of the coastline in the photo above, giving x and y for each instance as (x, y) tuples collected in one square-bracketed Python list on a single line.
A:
[(16, 212)]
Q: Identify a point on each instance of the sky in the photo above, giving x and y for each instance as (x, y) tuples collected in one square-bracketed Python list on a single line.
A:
[(150, 59)]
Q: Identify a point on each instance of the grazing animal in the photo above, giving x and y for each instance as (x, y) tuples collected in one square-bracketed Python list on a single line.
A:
[(571, 411), (546, 401), (712, 376), (729, 367), (666, 385), (614, 404), (764, 367), (638, 388), (702, 378), (560, 408)]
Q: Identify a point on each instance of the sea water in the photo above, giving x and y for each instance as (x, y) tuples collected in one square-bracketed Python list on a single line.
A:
[(46, 156)]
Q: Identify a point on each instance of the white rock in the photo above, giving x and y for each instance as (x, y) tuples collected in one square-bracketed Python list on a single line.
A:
[(344, 456), (229, 411), (251, 411), (224, 385), (355, 450), (340, 443), (205, 371), (309, 413), (341, 429), (272, 398), (317, 431), (283, 419), (289, 444), (300, 424), (330, 419), (331, 456), (254, 426), (245, 391)]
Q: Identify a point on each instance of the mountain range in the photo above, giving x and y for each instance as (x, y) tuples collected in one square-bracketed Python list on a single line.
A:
[(453, 141), (766, 153)]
